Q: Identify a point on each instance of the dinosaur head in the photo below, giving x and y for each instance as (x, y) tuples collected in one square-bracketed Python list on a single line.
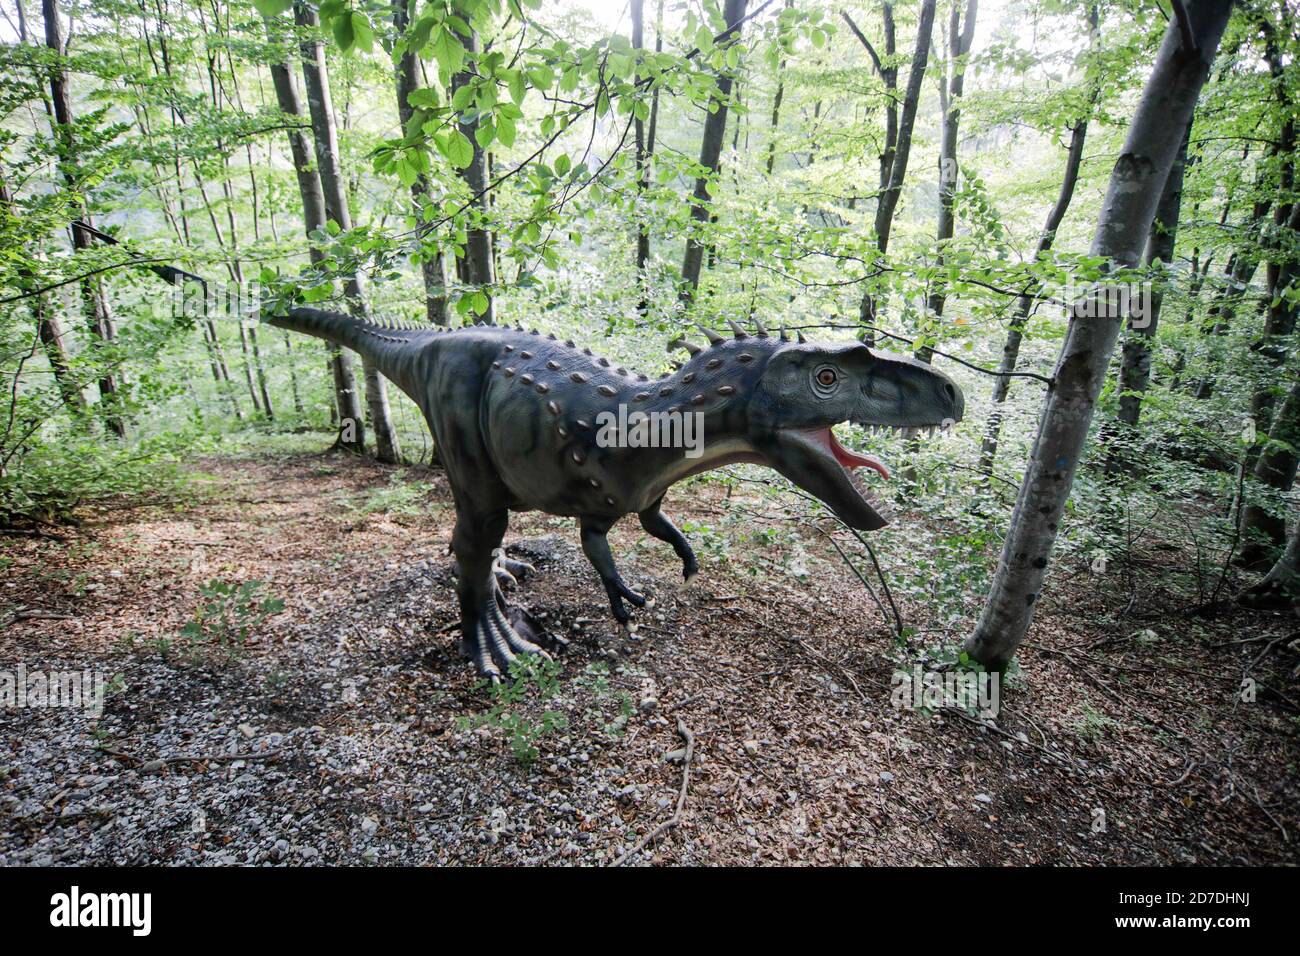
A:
[(806, 389)]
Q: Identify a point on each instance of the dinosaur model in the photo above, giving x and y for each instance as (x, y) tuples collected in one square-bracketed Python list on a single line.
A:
[(524, 423)]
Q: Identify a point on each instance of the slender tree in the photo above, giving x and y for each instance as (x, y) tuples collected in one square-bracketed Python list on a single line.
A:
[(433, 266), (1135, 361), (960, 34), (715, 128), (887, 69), (1025, 302), (902, 150), (478, 266), (348, 414), (642, 174), (98, 316), (325, 139), (1144, 162)]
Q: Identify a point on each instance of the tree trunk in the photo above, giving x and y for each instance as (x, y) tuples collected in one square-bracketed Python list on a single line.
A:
[(1280, 588), (478, 266), (325, 140), (347, 403), (888, 71), (642, 176), (903, 146), (1162, 116), (1263, 529), (960, 36), (99, 319), (1135, 364), (775, 124), (433, 266), (1280, 312), (715, 128), (48, 327)]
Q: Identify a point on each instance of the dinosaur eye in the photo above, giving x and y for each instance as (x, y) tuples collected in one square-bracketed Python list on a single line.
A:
[(826, 377)]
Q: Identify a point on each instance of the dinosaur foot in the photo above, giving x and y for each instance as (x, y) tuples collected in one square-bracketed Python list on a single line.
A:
[(617, 591), (498, 635)]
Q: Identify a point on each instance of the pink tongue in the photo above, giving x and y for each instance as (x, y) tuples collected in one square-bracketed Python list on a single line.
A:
[(851, 459)]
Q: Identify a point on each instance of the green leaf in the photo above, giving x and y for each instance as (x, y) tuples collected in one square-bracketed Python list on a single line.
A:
[(518, 89), (506, 131), (541, 76), (459, 150), (447, 50), (362, 31), (272, 8), (344, 35), (462, 97)]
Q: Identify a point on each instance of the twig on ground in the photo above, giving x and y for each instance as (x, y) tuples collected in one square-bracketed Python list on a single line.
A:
[(685, 733)]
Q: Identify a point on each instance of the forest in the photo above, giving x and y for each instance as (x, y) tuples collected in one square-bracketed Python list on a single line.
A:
[(1051, 618)]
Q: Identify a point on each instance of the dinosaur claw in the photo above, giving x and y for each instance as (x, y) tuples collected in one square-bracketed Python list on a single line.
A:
[(517, 568), (493, 642)]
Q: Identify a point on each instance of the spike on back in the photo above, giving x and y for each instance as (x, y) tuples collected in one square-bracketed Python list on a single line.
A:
[(680, 342), (713, 337), (801, 339), (762, 332), (737, 330)]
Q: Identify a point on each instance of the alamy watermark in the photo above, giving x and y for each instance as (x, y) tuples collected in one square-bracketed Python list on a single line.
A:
[(975, 692), (638, 429), (1109, 300), (82, 690), (213, 301)]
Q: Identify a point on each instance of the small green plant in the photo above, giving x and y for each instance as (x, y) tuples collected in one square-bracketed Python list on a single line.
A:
[(399, 498), (228, 614), (1092, 724), (530, 678)]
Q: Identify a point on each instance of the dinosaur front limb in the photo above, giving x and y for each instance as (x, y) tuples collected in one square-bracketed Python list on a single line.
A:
[(487, 636), (659, 525), (596, 547)]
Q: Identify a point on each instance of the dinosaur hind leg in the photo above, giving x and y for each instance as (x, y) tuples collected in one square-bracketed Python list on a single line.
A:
[(487, 636), (596, 547), (659, 525)]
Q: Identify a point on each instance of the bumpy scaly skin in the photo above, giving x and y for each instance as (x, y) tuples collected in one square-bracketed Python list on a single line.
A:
[(516, 416)]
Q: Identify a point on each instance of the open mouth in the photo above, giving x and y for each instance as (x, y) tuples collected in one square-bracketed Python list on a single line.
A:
[(834, 475)]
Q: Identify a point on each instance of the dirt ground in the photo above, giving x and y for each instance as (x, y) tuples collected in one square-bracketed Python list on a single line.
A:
[(348, 730)]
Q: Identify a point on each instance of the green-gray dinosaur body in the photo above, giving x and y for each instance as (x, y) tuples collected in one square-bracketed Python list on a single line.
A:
[(524, 422)]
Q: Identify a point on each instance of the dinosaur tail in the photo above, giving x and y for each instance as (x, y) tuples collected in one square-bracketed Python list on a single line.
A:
[(394, 350)]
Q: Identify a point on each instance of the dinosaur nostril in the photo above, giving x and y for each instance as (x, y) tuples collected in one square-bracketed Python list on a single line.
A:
[(950, 391)]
